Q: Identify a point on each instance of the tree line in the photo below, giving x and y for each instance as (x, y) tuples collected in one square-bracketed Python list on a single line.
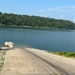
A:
[(34, 21)]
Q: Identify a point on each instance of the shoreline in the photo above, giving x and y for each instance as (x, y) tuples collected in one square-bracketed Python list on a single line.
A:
[(59, 53), (54, 53), (31, 27)]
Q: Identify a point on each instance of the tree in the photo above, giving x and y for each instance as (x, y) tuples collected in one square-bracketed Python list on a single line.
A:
[(34, 21)]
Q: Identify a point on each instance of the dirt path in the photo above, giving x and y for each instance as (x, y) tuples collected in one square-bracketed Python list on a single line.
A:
[(22, 62)]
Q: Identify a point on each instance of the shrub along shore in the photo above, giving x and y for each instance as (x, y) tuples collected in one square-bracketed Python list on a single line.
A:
[(67, 54)]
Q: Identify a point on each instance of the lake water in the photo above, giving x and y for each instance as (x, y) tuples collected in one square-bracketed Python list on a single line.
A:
[(44, 39)]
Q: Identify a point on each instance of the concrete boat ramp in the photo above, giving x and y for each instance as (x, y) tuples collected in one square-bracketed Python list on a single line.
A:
[(29, 61)]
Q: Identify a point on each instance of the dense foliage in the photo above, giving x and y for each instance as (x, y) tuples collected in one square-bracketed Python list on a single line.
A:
[(34, 21)]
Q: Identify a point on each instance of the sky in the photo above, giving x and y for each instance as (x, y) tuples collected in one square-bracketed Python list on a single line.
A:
[(58, 9)]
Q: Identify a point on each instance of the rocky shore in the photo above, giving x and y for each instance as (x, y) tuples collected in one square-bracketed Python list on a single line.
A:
[(2, 57)]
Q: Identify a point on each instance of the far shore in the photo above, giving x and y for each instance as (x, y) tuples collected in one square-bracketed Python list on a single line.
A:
[(31, 27)]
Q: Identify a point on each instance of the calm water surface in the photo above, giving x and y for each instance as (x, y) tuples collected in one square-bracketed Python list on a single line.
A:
[(44, 39)]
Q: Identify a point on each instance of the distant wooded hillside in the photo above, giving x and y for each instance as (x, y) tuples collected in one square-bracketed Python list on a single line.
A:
[(34, 21)]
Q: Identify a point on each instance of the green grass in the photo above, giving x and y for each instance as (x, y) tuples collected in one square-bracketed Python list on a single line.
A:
[(67, 54)]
